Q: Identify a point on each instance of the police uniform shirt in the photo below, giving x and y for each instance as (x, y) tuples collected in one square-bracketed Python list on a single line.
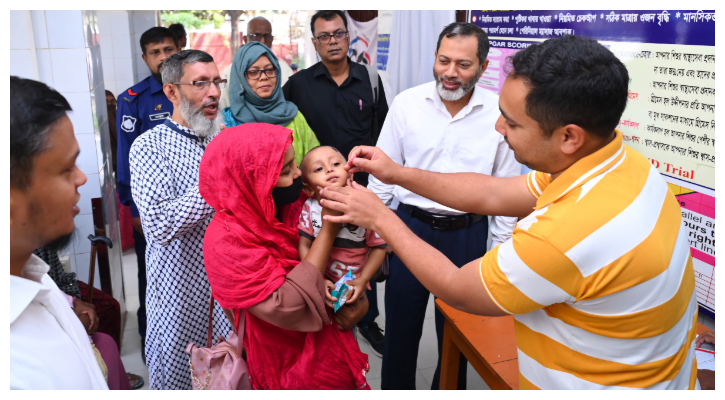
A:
[(140, 108)]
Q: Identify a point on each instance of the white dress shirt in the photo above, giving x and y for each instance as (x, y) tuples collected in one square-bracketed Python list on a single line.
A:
[(419, 132), (49, 347)]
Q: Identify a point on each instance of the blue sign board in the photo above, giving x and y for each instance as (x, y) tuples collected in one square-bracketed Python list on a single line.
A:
[(684, 27), (383, 49)]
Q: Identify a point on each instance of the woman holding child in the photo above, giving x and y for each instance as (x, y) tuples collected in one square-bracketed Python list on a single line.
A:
[(249, 174), (255, 95)]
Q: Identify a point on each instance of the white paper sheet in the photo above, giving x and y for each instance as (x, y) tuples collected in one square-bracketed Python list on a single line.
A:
[(705, 360)]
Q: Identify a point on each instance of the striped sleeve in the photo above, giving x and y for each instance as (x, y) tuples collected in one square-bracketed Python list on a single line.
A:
[(519, 284), (537, 182)]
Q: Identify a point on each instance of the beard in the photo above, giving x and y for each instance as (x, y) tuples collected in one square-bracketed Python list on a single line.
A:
[(157, 74), (197, 121), (61, 242), (454, 95)]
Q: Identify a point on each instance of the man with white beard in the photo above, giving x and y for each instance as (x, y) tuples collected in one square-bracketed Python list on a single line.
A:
[(164, 184), (444, 126)]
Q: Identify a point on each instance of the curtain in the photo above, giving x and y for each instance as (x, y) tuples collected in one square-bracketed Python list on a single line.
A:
[(413, 40)]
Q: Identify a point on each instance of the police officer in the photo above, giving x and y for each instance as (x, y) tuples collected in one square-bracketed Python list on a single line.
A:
[(140, 108)]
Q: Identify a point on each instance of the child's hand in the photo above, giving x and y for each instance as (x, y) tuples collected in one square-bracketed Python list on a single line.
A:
[(359, 287), (329, 300)]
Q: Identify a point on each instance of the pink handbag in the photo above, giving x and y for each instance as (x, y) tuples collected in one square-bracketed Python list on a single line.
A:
[(219, 367)]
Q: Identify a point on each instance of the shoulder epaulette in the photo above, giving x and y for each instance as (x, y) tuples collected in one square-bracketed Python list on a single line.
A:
[(131, 93)]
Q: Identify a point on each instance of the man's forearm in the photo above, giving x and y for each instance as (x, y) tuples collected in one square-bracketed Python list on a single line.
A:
[(469, 192), (459, 287), (460, 191)]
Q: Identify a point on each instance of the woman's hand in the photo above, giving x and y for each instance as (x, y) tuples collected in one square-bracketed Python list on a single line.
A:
[(359, 287), (329, 300), (349, 314)]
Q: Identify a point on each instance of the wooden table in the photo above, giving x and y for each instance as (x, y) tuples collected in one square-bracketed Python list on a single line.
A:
[(489, 344), (702, 329)]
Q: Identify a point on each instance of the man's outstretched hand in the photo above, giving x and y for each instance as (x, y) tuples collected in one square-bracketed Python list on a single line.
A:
[(373, 161), (359, 205)]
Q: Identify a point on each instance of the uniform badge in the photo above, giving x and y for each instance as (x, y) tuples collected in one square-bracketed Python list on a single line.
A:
[(159, 116), (158, 107), (128, 124)]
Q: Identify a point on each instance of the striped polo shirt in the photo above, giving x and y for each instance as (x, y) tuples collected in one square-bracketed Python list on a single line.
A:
[(600, 279)]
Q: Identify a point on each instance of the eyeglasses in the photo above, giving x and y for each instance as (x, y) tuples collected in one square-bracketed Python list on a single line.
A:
[(201, 85), (255, 74), (257, 37), (339, 36)]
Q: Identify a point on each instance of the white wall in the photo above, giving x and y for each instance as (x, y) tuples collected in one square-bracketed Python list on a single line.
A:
[(141, 21), (62, 49), (120, 35)]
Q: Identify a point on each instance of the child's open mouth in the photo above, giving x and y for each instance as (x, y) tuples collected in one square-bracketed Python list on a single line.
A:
[(333, 179)]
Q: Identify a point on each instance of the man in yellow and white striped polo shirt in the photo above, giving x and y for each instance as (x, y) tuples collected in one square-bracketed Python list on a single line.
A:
[(599, 274)]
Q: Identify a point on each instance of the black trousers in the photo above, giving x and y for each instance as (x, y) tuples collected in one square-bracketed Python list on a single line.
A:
[(406, 300), (140, 246)]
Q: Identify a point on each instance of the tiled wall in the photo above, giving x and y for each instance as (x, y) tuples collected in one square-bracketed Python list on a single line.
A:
[(62, 49), (120, 34), (142, 21)]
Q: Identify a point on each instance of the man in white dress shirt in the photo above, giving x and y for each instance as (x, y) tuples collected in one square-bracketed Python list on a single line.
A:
[(49, 347), (444, 126)]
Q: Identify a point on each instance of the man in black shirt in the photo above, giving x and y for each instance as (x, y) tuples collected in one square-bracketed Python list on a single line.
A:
[(335, 95)]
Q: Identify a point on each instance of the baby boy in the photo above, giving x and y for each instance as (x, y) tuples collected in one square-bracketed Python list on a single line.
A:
[(354, 249)]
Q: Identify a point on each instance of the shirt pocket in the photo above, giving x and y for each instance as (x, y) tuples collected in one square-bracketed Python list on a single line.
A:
[(358, 114)]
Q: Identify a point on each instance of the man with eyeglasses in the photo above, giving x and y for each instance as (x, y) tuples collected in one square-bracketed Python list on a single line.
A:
[(165, 187), (336, 97), (259, 29), (140, 108)]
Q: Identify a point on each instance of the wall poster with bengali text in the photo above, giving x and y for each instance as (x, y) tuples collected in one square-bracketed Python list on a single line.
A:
[(670, 114)]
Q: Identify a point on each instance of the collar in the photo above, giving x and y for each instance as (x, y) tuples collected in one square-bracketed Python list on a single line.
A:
[(24, 290), (320, 69), (476, 100), (184, 131), (583, 171), (154, 85)]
